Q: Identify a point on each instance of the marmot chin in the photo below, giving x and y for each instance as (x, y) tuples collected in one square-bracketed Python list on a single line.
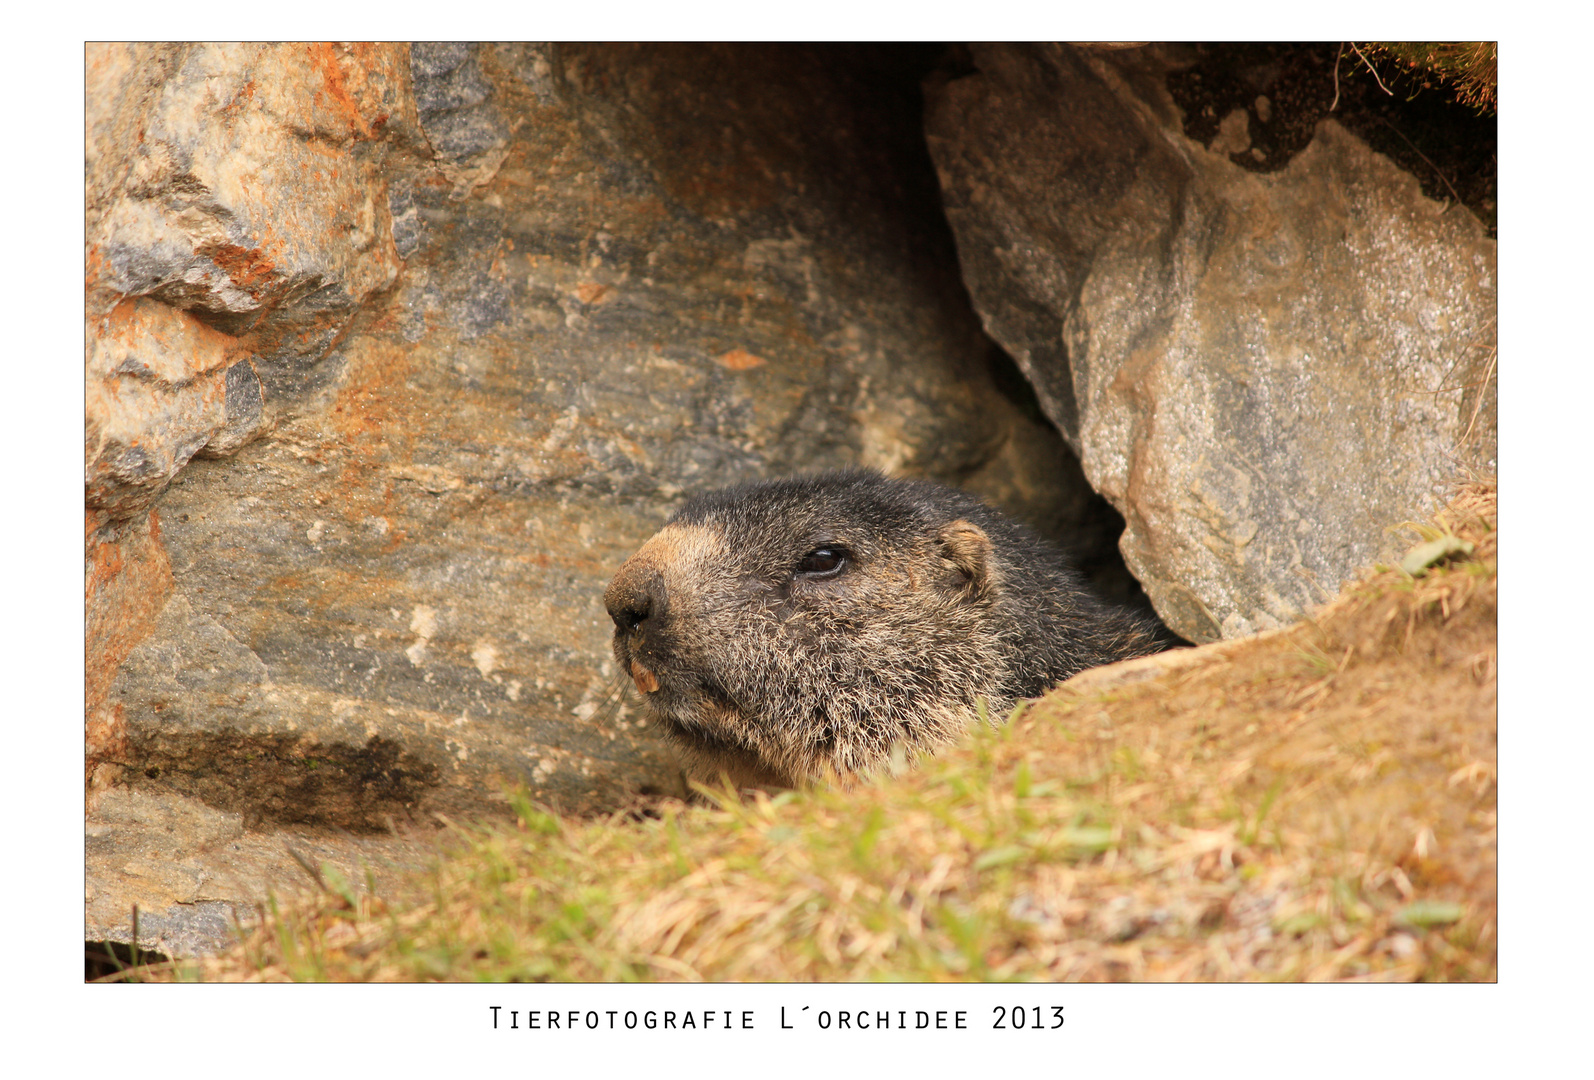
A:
[(790, 630)]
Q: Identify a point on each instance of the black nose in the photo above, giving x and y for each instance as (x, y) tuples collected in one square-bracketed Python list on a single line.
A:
[(629, 615), (633, 598)]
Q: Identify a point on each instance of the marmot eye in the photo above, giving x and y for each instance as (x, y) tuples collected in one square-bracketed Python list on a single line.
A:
[(823, 562)]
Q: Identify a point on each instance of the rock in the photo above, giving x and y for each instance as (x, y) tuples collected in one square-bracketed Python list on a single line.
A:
[(157, 394), (370, 589), (196, 872), (235, 222), (467, 131), (1260, 370), (127, 580)]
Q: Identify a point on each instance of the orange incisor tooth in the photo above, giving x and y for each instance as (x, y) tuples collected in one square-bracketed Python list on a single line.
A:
[(646, 681)]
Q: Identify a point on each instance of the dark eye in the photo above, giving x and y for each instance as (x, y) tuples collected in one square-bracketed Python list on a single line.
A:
[(823, 562)]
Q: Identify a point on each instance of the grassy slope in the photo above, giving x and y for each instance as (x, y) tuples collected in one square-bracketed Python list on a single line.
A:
[(1318, 803)]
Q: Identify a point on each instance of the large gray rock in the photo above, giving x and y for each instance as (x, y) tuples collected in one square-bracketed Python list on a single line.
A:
[(628, 273), (1261, 371)]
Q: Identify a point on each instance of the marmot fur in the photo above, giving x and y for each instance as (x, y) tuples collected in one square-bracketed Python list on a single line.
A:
[(795, 629)]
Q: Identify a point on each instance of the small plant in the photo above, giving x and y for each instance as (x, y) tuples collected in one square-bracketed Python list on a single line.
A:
[(1470, 67)]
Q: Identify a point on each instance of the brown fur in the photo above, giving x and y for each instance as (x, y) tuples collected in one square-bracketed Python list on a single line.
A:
[(798, 629)]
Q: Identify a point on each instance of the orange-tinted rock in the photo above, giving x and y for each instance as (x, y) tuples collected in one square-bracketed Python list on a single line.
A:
[(127, 578)]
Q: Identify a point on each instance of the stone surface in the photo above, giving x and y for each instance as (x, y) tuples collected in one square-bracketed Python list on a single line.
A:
[(234, 222), (591, 279), (196, 872), (1260, 370), (235, 215), (127, 581)]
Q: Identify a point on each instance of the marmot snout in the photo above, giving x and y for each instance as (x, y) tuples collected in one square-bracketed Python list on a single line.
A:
[(793, 629)]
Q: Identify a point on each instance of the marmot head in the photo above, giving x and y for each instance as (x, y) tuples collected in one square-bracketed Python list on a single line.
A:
[(794, 629)]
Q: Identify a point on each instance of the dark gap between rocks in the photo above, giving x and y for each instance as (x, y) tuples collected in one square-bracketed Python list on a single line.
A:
[(1286, 89), (102, 959), (888, 79)]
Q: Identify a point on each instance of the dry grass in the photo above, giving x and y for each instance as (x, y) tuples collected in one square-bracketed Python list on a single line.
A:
[(1471, 68), (1313, 804)]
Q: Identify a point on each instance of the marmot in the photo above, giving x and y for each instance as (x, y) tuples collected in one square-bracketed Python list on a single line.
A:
[(789, 630)]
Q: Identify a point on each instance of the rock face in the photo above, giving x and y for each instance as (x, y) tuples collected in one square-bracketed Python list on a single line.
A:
[(395, 353), (234, 226), (1260, 370)]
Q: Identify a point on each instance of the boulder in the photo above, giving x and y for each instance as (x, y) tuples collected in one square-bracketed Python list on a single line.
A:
[(1261, 370), (233, 227), (396, 353)]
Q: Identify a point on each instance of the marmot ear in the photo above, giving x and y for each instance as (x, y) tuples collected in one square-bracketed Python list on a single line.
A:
[(965, 545)]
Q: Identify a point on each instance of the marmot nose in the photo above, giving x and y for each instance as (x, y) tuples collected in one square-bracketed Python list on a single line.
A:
[(633, 598)]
